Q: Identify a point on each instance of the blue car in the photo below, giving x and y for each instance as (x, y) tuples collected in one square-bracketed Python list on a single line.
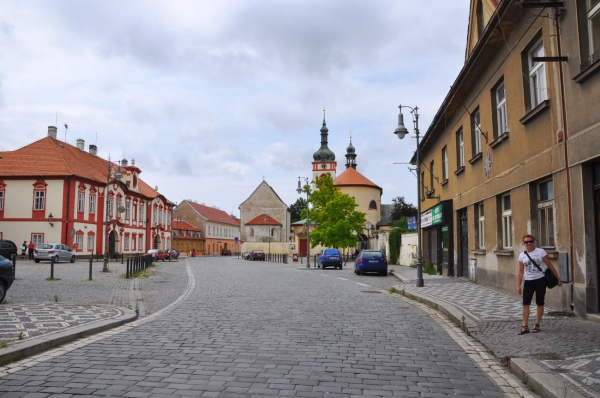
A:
[(7, 276), (328, 258), (371, 261)]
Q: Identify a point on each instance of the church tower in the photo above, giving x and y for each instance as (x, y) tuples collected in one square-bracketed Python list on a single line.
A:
[(351, 154), (324, 159)]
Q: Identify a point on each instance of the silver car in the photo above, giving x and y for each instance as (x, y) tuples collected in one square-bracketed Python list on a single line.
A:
[(58, 251)]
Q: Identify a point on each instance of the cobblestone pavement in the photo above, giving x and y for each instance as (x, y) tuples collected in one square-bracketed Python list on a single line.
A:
[(263, 329), (35, 306), (568, 347)]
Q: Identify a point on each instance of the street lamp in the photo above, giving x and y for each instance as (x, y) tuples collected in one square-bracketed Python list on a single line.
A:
[(401, 131), (118, 176), (267, 218), (299, 190)]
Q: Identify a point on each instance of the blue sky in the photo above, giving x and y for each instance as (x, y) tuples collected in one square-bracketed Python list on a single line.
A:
[(209, 97)]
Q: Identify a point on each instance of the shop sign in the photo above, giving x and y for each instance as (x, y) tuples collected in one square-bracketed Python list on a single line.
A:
[(426, 219), (436, 215), (412, 223)]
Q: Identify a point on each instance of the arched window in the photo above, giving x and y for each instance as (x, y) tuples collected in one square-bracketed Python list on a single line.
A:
[(251, 231), (372, 205), (272, 231)]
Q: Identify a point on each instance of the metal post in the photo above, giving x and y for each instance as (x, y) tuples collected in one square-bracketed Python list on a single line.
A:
[(51, 267), (420, 282), (91, 260), (307, 229)]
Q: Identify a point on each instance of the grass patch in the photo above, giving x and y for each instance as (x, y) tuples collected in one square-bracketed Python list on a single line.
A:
[(393, 290), (17, 359), (52, 279), (4, 344)]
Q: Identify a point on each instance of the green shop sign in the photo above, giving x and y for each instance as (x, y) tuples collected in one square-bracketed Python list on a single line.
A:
[(432, 216)]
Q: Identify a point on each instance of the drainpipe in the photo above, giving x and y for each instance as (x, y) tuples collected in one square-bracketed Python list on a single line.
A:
[(557, 16)]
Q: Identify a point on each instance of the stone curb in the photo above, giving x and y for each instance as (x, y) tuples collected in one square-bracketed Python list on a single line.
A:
[(545, 383), (36, 345)]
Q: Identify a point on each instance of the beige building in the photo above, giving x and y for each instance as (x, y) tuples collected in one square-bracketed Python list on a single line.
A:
[(265, 221), (499, 161)]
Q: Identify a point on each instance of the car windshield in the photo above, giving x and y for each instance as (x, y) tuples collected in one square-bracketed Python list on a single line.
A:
[(372, 255)]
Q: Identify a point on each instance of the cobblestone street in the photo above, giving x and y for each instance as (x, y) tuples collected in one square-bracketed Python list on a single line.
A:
[(239, 328)]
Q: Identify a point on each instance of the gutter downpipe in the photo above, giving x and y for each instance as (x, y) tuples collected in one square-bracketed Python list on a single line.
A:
[(567, 165)]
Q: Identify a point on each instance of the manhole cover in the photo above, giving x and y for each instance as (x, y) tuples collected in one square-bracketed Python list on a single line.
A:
[(370, 291), (548, 357)]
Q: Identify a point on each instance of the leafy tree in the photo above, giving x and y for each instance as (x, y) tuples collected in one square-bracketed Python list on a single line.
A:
[(402, 209), (338, 223), (395, 238), (296, 209)]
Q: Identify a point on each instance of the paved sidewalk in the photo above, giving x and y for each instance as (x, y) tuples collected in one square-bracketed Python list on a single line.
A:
[(563, 360)]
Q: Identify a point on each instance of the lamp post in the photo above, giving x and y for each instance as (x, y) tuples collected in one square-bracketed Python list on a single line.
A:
[(299, 190), (401, 131), (118, 176), (267, 218)]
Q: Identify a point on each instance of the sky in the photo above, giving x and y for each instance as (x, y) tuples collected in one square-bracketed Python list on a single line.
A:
[(212, 97)]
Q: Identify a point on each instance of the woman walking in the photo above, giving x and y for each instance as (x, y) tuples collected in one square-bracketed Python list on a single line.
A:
[(535, 281)]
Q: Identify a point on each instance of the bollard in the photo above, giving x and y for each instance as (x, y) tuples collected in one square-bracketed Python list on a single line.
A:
[(127, 269), (91, 261), (14, 263), (51, 267)]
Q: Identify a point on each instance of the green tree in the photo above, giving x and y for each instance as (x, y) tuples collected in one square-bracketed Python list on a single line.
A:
[(402, 209), (296, 209), (395, 238), (338, 223)]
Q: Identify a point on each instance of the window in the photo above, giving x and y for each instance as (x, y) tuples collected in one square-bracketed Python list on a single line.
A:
[(37, 239), (460, 149), (422, 184), (154, 215), (133, 241), (444, 163), (110, 207), (592, 14), (1, 200), (501, 125), (507, 236), (141, 216), (251, 231), (545, 205), (476, 132), (39, 203), (372, 205), (272, 231), (537, 76), (79, 240), (127, 211), (141, 243), (431, 176), (80, 201), (91, 243), (126, 243), (92, 204), (480, 225)]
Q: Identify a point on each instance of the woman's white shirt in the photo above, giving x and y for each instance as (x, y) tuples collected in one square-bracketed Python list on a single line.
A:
[(532, 272)]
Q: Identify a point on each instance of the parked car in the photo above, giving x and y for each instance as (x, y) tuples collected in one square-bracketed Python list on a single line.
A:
[(247, 255), (157, 254), (225, 252), (257, 255), (7, 276), (7, 248), (172, 254), (330, 257), (371, 261), (48, 251)]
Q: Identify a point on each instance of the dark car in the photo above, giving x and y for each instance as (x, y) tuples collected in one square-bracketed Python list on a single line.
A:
[(7, 248), (225, 252), (257, 255), (7, 276), (329, 258), (371, 261), (172, 254)]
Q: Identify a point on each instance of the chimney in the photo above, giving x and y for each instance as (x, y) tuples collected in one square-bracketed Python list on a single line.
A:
[(93, 149), (80, 144), (52, 132), (124, 162)]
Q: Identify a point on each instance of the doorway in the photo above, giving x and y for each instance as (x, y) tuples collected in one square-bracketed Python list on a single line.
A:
[(597, 228), (303, 247), (463, 236), (111, 244)]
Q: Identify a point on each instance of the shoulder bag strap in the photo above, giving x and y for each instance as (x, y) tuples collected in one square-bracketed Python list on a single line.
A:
[(534, 263)]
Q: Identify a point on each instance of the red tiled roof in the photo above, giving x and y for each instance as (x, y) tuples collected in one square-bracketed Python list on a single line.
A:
[(260, 220), (48, 157), (351, 177), (213, 214), (184, 225)]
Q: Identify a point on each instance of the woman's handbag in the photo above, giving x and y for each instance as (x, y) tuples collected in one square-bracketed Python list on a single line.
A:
[(551, 280)]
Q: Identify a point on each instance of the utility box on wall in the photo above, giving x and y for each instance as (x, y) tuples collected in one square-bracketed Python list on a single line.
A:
[(563, 266), (472, 269)]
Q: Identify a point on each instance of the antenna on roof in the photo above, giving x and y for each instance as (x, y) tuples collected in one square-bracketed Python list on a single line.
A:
[(66, 128)]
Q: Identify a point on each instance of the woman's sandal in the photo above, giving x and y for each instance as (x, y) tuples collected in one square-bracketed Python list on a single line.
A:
[(536, 328), (524, 329)]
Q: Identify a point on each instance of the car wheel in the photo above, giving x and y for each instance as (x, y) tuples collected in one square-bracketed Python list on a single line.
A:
[(385, 273), (37, 261), (357, 272), (163, 259), (73, 259), (2, 291)]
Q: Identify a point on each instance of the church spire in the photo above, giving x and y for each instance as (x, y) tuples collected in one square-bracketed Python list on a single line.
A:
[(351, 155), (324, 153)]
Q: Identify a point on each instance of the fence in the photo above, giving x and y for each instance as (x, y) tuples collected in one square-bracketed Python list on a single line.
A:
[(277, 257), (136, 264)]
